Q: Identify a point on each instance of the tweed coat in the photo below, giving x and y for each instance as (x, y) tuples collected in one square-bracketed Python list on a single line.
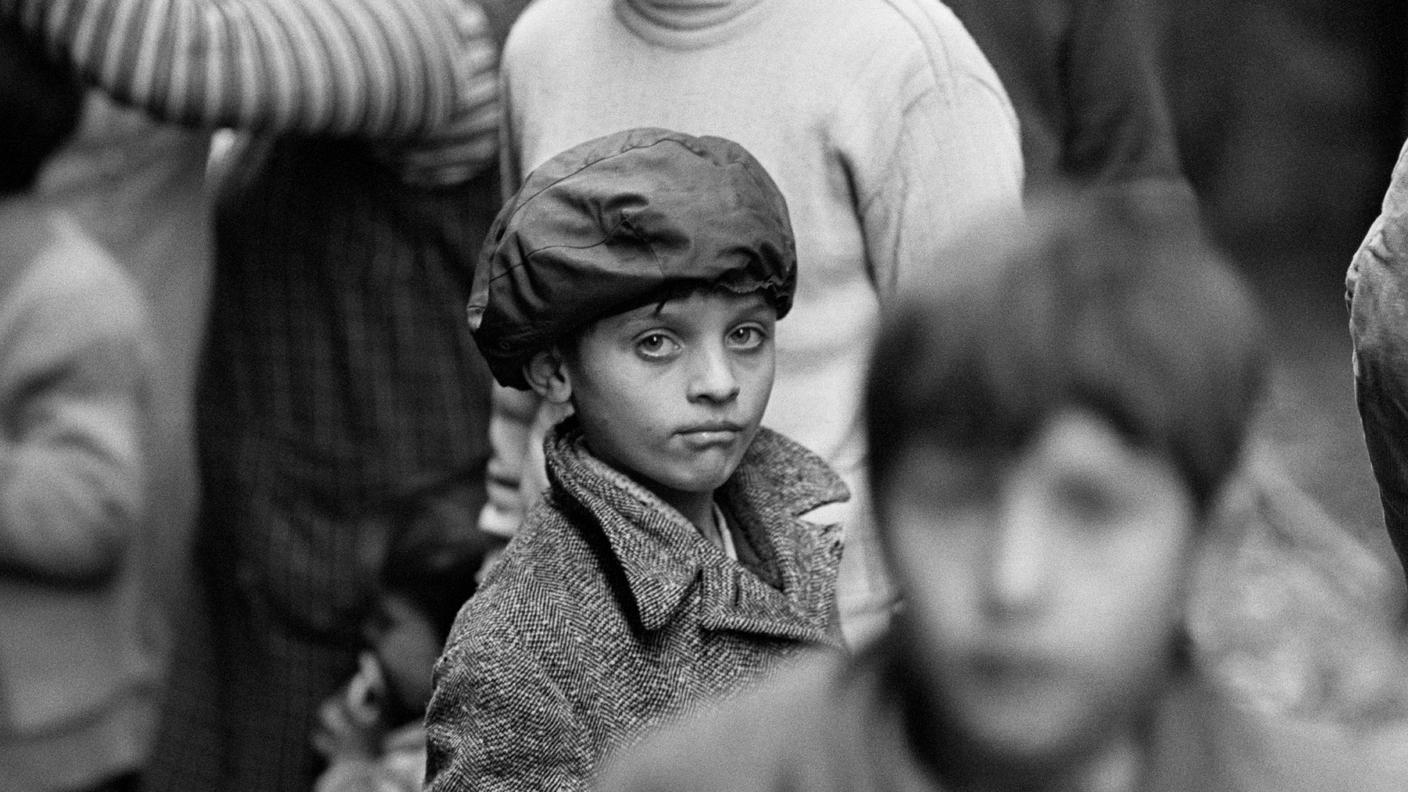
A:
[(609, 614)]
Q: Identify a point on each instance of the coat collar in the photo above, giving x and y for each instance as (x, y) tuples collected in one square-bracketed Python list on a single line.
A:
[(662, 556)]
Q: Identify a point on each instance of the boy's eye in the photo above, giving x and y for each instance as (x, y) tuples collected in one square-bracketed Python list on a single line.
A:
[(656, 345), (1087, 500), (746, 337)]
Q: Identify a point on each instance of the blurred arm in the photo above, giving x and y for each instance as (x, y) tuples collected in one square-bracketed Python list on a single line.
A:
[(71, 462), (370, 68), (952, 155)]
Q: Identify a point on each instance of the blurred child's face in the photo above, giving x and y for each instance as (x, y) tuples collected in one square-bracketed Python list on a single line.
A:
[(1044, 591), (673, 393), (406, 645)]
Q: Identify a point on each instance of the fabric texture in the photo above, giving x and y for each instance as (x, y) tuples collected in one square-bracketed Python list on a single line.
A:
[(421, 74), (614, 222), (81, 658), (338, 372), (881, 122), (609, 614), (338, 375), (1376, 289)]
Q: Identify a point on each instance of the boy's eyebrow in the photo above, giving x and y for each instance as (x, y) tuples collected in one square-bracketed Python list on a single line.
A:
[(668, 308)]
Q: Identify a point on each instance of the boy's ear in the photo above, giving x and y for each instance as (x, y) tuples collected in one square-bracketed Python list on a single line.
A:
[(546, 373)]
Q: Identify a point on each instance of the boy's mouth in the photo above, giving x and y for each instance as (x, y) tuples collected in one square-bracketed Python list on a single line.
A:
[(711, 433), (712, 427)]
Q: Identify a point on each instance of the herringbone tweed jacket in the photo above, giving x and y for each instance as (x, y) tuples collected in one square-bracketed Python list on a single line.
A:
[(610, 614)]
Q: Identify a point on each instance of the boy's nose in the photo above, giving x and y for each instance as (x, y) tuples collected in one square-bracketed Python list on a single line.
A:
[(713, 377), (1018, 569)]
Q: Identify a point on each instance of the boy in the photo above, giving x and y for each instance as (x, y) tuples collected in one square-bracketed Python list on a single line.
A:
[(82, 655), (637, 277), (372, 731), (1051, 428), (881, 121)]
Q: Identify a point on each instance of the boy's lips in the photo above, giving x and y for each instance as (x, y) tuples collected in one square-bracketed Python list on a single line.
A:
[(710, 433), (712, 426), (1011, 667)]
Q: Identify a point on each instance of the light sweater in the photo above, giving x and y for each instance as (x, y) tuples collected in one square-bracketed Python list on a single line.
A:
[(880, 120), (80, 657)]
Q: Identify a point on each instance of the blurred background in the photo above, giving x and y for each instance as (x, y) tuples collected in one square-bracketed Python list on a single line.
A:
[(1290, 115)]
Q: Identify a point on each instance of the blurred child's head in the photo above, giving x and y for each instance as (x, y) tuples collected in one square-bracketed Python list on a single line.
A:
[(39, 107), (638, 277), (1049, 425), (431, 569)]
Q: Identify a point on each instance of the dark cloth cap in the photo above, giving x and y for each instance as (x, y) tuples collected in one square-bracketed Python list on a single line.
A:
[(611, 224)]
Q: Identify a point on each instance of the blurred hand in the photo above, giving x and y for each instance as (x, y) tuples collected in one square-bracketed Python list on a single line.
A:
[(350, 722)]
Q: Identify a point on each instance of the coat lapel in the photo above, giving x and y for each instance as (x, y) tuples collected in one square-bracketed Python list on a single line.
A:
[(662, 557)]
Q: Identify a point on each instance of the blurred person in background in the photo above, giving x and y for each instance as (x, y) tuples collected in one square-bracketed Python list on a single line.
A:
[(372, 731), (137, 187), (885, 128), (337, 372), (1053, 430), (1085, 80), (80, 660)]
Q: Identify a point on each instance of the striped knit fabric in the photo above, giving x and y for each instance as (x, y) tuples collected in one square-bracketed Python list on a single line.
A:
[(610, 614), (338, 369), (421, 73)]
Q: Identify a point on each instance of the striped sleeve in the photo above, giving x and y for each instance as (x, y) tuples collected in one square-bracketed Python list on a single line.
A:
[(353, 68)]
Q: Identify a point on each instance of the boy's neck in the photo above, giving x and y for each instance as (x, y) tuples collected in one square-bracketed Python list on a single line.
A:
[(697, 507)]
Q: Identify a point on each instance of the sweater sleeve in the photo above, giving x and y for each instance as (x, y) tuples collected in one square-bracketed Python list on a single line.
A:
[(948, 155), (359, 68), (1377, 292), (71, 462), (497, 723)]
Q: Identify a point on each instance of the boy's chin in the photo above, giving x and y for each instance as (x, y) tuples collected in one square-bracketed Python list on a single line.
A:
[(702, 483)]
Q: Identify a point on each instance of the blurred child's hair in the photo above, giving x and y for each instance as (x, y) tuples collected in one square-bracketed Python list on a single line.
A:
[(1103, 301), (40, 105), (436, 553)]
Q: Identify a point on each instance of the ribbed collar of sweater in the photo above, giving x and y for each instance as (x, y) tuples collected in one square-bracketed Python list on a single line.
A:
[(687, 24)]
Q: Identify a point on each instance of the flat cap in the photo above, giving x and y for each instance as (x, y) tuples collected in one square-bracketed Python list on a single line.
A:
[(613, 222)]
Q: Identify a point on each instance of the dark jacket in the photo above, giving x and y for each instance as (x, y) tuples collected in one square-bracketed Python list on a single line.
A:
[(1376, 288), (609, 613), (1084, 78)]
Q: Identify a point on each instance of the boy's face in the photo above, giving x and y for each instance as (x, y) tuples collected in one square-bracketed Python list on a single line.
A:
[(1044, 591), (673, 393)]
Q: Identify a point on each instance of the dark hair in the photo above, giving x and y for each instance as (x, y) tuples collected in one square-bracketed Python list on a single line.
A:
[(1103, 301), (40, 104), (436, 551)]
